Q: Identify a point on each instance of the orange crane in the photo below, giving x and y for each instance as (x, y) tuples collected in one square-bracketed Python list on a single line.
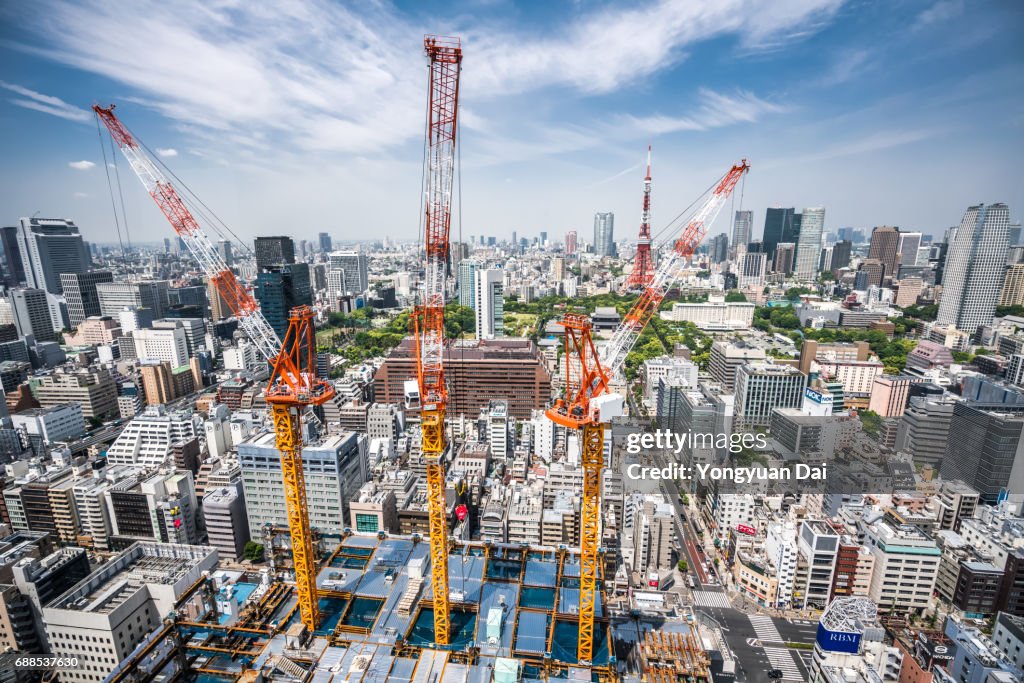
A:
[(445, 56), (587, 378), (293, 384)]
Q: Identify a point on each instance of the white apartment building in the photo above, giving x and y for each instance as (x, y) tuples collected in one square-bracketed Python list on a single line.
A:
[(147, 439), (818, 545), (857, 377), (490, 303), (780, 549), (906, 566), (730, 509), (168, 344)]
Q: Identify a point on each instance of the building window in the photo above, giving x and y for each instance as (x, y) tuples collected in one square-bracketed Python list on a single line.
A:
[(367, 523)]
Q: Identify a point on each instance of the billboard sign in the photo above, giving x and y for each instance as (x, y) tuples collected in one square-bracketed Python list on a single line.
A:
[(837, 641)]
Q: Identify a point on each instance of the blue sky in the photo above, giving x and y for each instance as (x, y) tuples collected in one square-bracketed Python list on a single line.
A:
[(305, 116)]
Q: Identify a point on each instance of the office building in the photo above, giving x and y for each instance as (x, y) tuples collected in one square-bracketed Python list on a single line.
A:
[(924, 430), (104, 617), (727, 357), (570, 243), (224, 248), (818, 548), (274, 251), (890, 394), (908, 248), (742, 229), (476, 371), (48, 248), (163, 383), (653, 534), (13, 267), (985, 449), (490, 303), (355, 265), (335, 469), (718, 248), (1008, 636), (785, 258), (227, 524), (325, 242), (1012, 293), (974, 268), (604, 234), (808, 245), (841, 251), (885, 241), (761, 388), (279, 289), (47, 426), (80, 294), (95, 390), (147, 438), (871, 273), (906, 566), (168, 345), (780, 225), (32, 315), (467, 283), (752, 268), (147, 294), (975, 658)]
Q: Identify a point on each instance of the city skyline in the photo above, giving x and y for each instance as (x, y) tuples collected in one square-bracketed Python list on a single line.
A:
[(560, 119)]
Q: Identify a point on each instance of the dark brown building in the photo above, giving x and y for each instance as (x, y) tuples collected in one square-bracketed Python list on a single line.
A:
[(977, 588), (846, 569), (477, 372), (1011, 593)]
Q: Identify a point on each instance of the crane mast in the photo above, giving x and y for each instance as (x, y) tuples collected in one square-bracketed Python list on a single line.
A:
[(445, 56), (238, 298), (587, 377), (621, 343)]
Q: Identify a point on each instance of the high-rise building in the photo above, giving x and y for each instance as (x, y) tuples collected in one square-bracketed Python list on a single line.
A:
[(871, 273), (274, 251), (742, 228), (467, 283), (924, 430), (32, 314), (910, 244), (604, 234), (490, 303), (752, 268), (718, 249), (891, 393), (906, 566), (49, 247), (224, 513), (780, 225), (149, 294), (785, 256), (163, 382), (80, 293), (225, 250), (279, 289), (974, 268), (841, 251), (884, 247), (808, 246), (570, 243), (1012, 293), (14, 269), (94, 390), (761, 388), (355, 265), (168, 345), (325, 242), (146, 440), (984, 447)]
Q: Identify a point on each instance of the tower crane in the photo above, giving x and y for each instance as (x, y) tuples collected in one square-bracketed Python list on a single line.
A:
[(587, 378), (293, 382), (445, 56)]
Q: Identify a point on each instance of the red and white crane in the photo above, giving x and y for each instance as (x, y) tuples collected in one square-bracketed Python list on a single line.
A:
[(237, 296)]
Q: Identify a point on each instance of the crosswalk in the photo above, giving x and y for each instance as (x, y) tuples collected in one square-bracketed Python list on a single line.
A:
[(764, 627), (710, 599), (782, 659)]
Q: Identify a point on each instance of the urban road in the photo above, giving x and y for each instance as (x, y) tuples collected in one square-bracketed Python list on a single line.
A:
[(758, 641)]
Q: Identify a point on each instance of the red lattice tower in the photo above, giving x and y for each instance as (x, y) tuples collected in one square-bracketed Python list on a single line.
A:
[(643, 264)]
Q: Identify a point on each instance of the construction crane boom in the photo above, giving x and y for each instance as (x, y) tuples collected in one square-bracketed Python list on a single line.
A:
[(445, 56), (624, 338), (238, 298), (587, 378)]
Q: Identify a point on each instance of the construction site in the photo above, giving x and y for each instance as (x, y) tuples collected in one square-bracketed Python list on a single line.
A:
[(385, 608)]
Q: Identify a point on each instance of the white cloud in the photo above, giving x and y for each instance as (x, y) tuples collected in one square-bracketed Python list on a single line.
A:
[(715, 111), (48, 104), (80, 195), (941, 11), (167, 151), (82, 165), (323, 77)]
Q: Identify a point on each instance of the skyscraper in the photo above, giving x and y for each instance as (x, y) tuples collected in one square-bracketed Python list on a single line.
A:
[(975, 267), (983, 446), (808, 246), (467, 283), (281, 288), (741, 228), (150, 294), (355, 265), (49, 247), (841, 251), (32, 314), (785, 257), (910, 243), (274, 251), (325, 242), (885, 242), (224, 249), (80, 293), (570, 243), (752, 269), (14, 269), (718, 250), (780, 225), (490, 303), (604, 234)]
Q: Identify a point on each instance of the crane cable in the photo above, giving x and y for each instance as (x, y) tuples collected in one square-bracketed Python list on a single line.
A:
[(110, 187)]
